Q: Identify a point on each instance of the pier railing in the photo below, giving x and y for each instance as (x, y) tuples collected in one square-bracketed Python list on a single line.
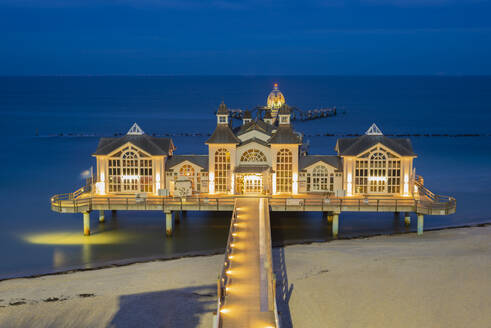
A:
[(426, 203), (224, 280)]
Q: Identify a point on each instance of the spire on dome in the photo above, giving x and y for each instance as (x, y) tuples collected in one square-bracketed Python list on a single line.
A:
[(374, 131), (135, 130), (222, 109)]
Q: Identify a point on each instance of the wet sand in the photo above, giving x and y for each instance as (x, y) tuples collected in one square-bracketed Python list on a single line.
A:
[(440, 280)]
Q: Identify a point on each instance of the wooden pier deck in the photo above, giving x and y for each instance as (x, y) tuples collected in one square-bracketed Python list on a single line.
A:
[(246, 286), (298, 203)]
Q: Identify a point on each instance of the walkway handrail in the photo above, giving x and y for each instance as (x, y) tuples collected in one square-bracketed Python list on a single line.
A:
[(271, 275), (77, 203), (224, 279)]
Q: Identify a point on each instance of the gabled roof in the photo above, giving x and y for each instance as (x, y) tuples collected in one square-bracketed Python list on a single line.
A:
[(285, 135), (256, 140), (200, 160), (154, 146), (356, 146), (308, 160), (223, 135), (257, 125)]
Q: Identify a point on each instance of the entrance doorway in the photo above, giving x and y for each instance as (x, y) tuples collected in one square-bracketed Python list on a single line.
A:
[(253, 184)]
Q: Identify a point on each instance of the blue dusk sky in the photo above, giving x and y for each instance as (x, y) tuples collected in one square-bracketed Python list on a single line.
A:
[(221, 37)]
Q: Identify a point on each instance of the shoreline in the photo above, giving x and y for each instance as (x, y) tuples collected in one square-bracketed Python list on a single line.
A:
[(438, 280), (197, 254)]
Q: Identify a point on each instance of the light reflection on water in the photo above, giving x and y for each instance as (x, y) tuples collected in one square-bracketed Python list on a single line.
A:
[(139, 236)]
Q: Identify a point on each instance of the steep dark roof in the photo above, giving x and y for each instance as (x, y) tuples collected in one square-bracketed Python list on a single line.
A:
[(259, 141), (257, 125), (153, 145), (200, 160), (355, 146), (284, 110), (223, 135), (247, 114), (285, 135), (333, 160)]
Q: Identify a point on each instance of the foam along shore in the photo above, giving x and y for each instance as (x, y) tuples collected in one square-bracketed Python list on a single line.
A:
[(440, 280)]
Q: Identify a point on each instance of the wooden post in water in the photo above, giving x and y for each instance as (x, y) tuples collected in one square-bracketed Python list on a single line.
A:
[(87, 223), (407, 219), (421, 218), (169, 223), (335, 225)]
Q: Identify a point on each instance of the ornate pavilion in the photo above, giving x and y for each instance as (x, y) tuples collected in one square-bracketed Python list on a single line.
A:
[(260, 156)]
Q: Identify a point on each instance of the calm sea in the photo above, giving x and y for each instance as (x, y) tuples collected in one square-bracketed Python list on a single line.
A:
[(50, 127)]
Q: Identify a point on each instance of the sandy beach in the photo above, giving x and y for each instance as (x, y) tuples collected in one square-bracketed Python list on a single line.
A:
[(440, 280)]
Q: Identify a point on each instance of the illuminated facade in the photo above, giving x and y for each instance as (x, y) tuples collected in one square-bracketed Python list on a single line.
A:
[(259, 156)]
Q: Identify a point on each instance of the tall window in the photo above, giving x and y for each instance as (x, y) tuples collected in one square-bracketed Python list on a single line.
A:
[(253, 155), (130, 171), (114, 175), (361, 176), (321, 179), (394, 176), (222, 170), (284, 168), (146, 184), (378, 172)]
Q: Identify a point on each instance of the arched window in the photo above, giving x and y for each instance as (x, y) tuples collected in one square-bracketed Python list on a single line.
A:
[(321, 179), (130, 171), (284, 164), (222, 170), (378, 172), (188, 171), (253, 155)]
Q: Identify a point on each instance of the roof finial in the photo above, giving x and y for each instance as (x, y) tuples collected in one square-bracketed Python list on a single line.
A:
[(135, 130), (374, 131)]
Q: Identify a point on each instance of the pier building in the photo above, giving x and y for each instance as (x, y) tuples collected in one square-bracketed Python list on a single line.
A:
[(261, 156)]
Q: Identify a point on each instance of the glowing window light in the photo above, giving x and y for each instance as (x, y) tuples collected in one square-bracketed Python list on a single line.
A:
[(224, 311), (377, 178), (211, 185), (406, 185), (295, 183), (350, 185), (100, 188), (274, 183), (228, 272), (130, 177)]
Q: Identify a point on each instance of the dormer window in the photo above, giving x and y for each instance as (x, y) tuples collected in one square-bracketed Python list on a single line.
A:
[(222, 119), (284, 119)]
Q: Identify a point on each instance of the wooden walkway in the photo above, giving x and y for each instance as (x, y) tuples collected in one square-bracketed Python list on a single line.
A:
[(249, 299)]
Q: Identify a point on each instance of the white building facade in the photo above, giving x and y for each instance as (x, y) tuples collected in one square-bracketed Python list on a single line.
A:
[(259, 156)]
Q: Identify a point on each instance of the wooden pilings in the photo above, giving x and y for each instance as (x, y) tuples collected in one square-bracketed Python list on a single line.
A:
[(421, 218), (407, 219), (169, 223), (335, 224), (87, 223), (101, 216)]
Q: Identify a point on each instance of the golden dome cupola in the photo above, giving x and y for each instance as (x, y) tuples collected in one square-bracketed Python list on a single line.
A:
[(275, 98), (275, 101)]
